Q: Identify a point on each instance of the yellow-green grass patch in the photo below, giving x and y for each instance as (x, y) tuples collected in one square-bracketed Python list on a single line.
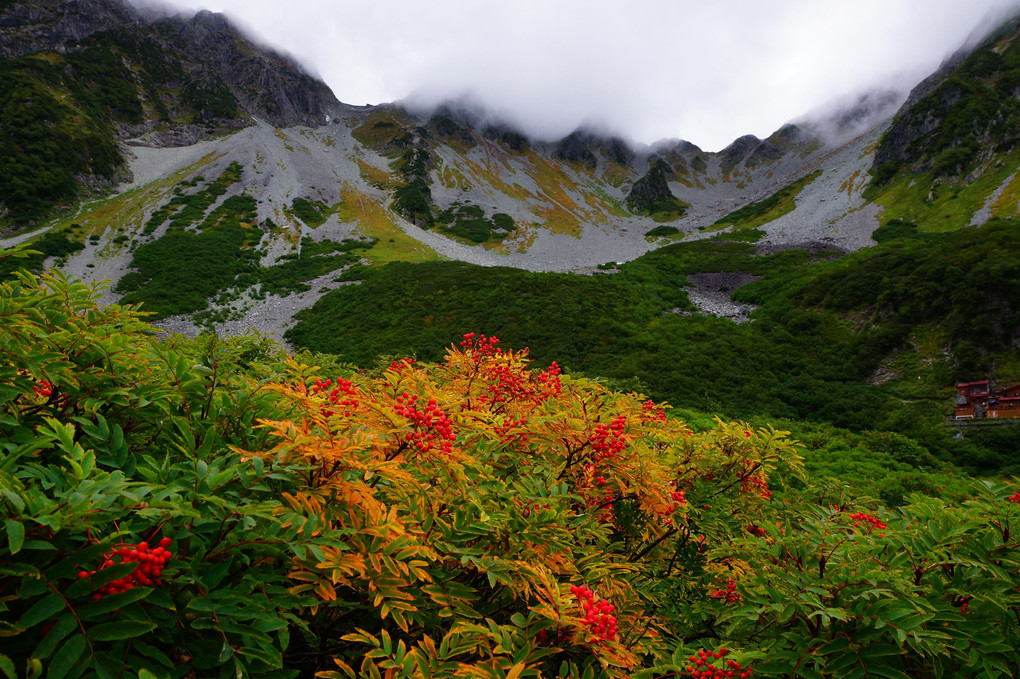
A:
[(373, 221)]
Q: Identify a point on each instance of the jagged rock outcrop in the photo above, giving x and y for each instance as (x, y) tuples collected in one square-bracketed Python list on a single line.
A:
[(738, 150), (266, 84), (28, 27), (682, 155), (652, 189), (789, 139), (764, 154), (508, 136), (79, 76), (576, 148), (580, 146), (448, 123)]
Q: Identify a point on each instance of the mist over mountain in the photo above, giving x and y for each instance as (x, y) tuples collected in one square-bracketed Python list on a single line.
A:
[(654, 70)]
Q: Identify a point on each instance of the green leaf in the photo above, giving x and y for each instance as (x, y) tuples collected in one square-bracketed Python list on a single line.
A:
[(870, 651), (20, 569), (66, 658), (112, 602), (263, 655), (83, 586), (886, 671), (154, 653), (65, 625), (115, 631), (15, 535), (43, 610), (7, 667)]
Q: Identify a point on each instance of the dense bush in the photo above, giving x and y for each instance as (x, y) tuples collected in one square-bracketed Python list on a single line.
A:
[(469, 222), (821, 331), (50, 244), (45, 142), (467, 518), (312, 213), (108, 441), (179, 272), (664, 230)]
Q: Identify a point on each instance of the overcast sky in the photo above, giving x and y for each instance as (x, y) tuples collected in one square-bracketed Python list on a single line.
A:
[(703, 70)]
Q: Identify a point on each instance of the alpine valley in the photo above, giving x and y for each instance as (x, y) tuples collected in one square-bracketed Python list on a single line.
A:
[(226, 299)]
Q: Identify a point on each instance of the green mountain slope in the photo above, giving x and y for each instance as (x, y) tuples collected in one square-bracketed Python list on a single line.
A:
[(81, 79), (956, 140)]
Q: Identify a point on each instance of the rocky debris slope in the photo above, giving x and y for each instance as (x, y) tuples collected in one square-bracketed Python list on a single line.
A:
[(711, 292)]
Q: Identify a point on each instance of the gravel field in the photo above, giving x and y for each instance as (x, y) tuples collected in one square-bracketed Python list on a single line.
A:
[(320, 163)]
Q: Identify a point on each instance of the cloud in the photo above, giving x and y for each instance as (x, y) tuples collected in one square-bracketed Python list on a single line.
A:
[(704, 71)]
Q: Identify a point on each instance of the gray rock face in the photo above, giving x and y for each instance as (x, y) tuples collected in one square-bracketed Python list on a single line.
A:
[(576, 148), (580, 146), (207, 47), (681, 155), (507, 135), (267, 85), (27, 27), (741, 148), (651, 189)]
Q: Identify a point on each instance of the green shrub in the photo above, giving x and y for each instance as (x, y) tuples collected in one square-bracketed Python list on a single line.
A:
[(664, 230), (473, 517)]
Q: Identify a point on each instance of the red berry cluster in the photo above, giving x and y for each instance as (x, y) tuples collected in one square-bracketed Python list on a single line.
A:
[(729, 593), (481, 346), (653, 413), (703, 666), (963, 603), (606, 442), (400, 365), (433, 429), (43, 389), (549, 381), (678, 498), (591, 478), (336, 395), (754, 482), (598, 615), (1015, 497), (150, 565), (869, 521), (505, 383), (506, 431)]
